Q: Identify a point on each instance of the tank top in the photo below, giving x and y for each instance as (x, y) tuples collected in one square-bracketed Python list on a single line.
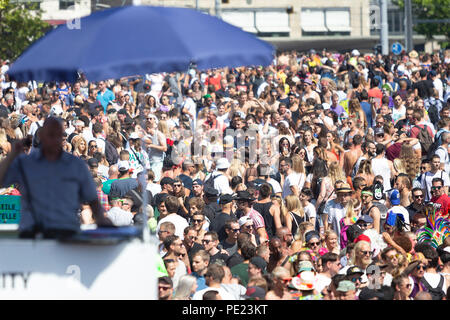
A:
[(153, 154), (381, 167), (264, 210), (296, 220)]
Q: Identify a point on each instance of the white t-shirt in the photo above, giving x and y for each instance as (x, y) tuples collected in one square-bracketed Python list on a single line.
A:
[(443, 155), (154, 188), (101, 145), (335, 212), (191, 107), (179, 222), (322, 282), (433, 279), (276, 187), (222, 184), (222, 292), (429, 176), (310, 211), (120, 217), (398, 113), (293, 179)]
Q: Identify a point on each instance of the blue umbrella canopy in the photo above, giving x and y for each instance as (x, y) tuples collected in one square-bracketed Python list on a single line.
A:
[(134, 40)]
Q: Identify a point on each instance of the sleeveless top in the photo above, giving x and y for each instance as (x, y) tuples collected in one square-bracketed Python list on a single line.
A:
[(381, 167), (296, 220), (153, 154), (264, 210)]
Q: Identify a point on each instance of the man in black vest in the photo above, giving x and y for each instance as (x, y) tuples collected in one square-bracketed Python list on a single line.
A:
[(268, 211), (212, 208), (218, 224)]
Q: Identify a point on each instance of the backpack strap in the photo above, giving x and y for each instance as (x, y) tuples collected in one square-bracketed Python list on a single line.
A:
[(293, 218), (429, 287)]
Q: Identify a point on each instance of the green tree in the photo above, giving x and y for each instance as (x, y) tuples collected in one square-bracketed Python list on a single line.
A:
[(20, 26), (430, 9)]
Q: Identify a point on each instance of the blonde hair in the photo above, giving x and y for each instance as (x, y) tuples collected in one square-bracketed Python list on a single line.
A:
[(302, 229), (162, 126), (76, 141), (358, 246), (335, 172), (351, 207), (411, 163), (236, 168), (293, 205), (297, 164), (365, 167), (399, 165)]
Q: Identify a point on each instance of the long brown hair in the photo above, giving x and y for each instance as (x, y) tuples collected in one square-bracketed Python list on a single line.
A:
[(410, 162)]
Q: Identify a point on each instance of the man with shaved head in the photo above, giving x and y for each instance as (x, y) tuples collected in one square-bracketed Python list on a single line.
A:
[(53, 184)]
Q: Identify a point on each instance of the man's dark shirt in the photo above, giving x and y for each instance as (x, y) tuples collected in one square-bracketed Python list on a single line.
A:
[(234, 260), (120, 187), (412, 210), (218, 224), (423, 87)]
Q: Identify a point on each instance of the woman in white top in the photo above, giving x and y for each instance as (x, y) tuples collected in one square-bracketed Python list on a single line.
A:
[(295, 181), (310, 143)]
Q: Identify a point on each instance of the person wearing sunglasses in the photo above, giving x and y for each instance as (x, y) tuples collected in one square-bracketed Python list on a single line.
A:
[(417, 204), (435, 172), (191, 241), (416, 270), (360, 259), (402, 286), (281, 280), (199, 223), (313, 241), (232, 230), (210, 242), (355, 274), (246, 225), (165, 288), (440, 197), (371, 216)]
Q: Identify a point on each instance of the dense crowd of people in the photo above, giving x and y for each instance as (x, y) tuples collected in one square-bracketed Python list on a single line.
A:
[(323, 176)]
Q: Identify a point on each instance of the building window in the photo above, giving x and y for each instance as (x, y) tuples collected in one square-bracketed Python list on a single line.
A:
[(325, 21), (66, 4), (263, 23), (242, 19), (272, 23)]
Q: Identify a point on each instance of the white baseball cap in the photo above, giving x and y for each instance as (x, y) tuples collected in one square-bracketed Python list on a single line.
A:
[(245, 219), (123, 165), (222, 163)]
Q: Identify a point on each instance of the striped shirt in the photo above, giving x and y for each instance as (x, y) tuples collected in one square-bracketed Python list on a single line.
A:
[(258, 220)]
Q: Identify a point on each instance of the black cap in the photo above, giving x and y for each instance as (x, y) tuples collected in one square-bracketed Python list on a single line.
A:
[(92, 163), (354, 270), (166, 180), (197, 181), (225, 198), (210, 192), (122, 111), (369, 294), (259, 262), (244, 195)]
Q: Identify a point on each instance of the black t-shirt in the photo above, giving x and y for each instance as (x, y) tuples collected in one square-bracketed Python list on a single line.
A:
[(218, 256), (234, 260), (218, 224), (423, 88), (212, 210)]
